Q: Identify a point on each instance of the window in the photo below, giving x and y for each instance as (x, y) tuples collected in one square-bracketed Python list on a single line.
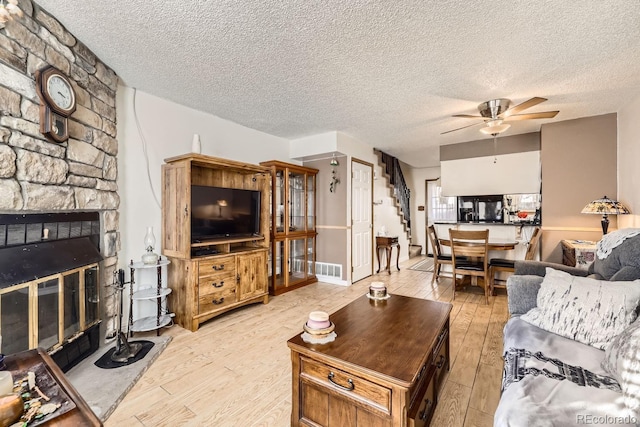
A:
[(441, 208)]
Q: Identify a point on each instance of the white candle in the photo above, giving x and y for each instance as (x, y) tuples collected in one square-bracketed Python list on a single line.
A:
[(6, 383), (319, 316)]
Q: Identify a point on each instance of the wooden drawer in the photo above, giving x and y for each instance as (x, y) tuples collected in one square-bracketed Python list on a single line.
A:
[(346, 384), (217, 265), (441, 362), (422, 410), (425, 372), (216, 301), (443, 336), (219, 283)]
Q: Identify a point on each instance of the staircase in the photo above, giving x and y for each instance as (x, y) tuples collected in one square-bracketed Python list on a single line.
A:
[(395, 179)]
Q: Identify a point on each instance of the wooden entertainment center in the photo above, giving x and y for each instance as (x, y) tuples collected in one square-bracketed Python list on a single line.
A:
[(210, 277)]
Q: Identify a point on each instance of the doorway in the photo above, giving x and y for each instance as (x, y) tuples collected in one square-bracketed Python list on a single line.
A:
[(361, 220)]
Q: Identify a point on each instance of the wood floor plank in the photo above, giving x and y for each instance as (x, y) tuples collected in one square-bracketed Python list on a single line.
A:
[(465, 366), (236, 369), (486, 389), (452, 407), (477, 418)]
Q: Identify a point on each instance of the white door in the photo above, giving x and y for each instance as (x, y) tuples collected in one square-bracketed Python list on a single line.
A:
[(361, 220)]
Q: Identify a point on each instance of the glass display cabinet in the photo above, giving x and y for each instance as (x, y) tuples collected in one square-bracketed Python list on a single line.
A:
[(293, 226)]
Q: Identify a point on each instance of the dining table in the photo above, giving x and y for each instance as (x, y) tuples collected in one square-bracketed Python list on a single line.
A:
[(492, 245)]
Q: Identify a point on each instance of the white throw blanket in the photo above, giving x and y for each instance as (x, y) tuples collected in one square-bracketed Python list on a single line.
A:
[(611, 240)]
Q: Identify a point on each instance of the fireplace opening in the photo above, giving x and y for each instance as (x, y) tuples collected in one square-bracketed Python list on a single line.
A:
[(49, 284)]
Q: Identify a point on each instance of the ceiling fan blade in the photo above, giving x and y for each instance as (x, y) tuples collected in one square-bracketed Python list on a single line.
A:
[(529, 116), (522, 106), (469, 116), (463, 127)]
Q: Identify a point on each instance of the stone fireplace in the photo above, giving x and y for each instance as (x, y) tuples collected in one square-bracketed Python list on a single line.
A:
[(41, 177)]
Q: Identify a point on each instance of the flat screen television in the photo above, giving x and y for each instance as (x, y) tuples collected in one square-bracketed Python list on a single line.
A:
[(218, 212)]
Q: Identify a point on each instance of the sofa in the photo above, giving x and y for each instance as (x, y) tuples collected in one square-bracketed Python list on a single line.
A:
[(559, 369)]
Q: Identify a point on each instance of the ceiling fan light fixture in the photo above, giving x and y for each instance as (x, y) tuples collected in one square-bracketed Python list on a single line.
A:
[(495, 127)]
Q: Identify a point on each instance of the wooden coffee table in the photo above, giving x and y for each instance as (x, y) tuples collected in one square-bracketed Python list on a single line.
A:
[(385, 367)]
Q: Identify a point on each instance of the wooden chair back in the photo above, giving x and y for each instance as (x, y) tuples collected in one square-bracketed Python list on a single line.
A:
[(533, 244), (469, 243), (435, 243)]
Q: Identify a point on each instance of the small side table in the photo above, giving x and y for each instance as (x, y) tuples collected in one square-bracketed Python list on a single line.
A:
[(387, 244), (578, 253)]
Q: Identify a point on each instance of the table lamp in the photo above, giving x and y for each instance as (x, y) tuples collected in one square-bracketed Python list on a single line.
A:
[(605, 207)]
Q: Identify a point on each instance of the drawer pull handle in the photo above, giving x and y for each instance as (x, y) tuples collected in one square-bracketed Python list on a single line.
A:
[(422, 371), (218, 301), (424, 414), (441, 361), (350, 387), (218, 267), (218, 285)]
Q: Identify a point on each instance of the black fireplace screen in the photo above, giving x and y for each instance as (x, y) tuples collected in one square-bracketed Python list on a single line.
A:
[(49, 282)]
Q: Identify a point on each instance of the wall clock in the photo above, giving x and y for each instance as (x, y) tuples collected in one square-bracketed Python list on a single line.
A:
[(57, 103)]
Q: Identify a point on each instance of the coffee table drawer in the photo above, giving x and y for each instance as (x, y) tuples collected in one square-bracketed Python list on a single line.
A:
[(346, 384), (421, 412)]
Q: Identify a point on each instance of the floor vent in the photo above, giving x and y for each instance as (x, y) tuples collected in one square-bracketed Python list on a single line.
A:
[(324, 269)]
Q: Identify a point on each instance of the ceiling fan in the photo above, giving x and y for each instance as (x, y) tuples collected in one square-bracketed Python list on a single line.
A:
[(495, 112)]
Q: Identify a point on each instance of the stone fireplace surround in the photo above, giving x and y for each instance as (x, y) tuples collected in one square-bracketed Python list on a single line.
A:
[(38, 176)]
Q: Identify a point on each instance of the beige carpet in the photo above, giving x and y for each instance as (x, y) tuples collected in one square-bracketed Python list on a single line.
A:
[(423, 265)]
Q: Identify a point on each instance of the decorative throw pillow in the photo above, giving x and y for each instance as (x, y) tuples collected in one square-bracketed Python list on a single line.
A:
[(622, 361), (583, 309)]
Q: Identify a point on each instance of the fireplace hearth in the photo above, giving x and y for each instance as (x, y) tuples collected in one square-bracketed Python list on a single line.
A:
[(50, 284)]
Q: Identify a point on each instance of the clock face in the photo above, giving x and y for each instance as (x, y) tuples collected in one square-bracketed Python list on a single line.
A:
[(60, 92)]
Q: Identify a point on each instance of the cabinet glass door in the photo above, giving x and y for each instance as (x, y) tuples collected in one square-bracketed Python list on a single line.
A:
[(311, 256), (279, 264), (311, 208), (297, 261), (297, 205), (278, 200)]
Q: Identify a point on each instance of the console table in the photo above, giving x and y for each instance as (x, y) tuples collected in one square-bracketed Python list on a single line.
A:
[(359, 380), (387, 244)]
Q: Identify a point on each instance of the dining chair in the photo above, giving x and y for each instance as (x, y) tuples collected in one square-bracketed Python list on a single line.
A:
[(438, 258), (497, 265), (469, 250)]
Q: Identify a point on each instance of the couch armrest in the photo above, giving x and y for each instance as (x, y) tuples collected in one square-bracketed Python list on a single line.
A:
[(522, 293), (538, 268)]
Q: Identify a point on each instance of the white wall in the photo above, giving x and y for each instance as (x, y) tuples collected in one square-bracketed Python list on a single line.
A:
[(503, 174), (168, 130), (628, 156)]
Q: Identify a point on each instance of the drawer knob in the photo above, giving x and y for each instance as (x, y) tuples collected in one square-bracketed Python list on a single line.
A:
[(218, 301), (218, 267), (424, 414), (218, 285), (441, 361), (350, 387)]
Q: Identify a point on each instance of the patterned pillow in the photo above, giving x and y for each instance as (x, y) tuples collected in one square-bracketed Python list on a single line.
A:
[(583, 309), (622, 361)]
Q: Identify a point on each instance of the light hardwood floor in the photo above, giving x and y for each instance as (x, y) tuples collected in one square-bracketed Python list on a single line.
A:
[(236, 369)]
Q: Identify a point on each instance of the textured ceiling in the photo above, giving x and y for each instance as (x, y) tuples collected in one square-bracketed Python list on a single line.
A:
[(388, 73)]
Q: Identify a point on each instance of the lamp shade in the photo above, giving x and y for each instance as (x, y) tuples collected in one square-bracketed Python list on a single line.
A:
[(605, 206)]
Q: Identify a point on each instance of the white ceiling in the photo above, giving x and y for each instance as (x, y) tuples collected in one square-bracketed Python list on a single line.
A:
[(389, 73)]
